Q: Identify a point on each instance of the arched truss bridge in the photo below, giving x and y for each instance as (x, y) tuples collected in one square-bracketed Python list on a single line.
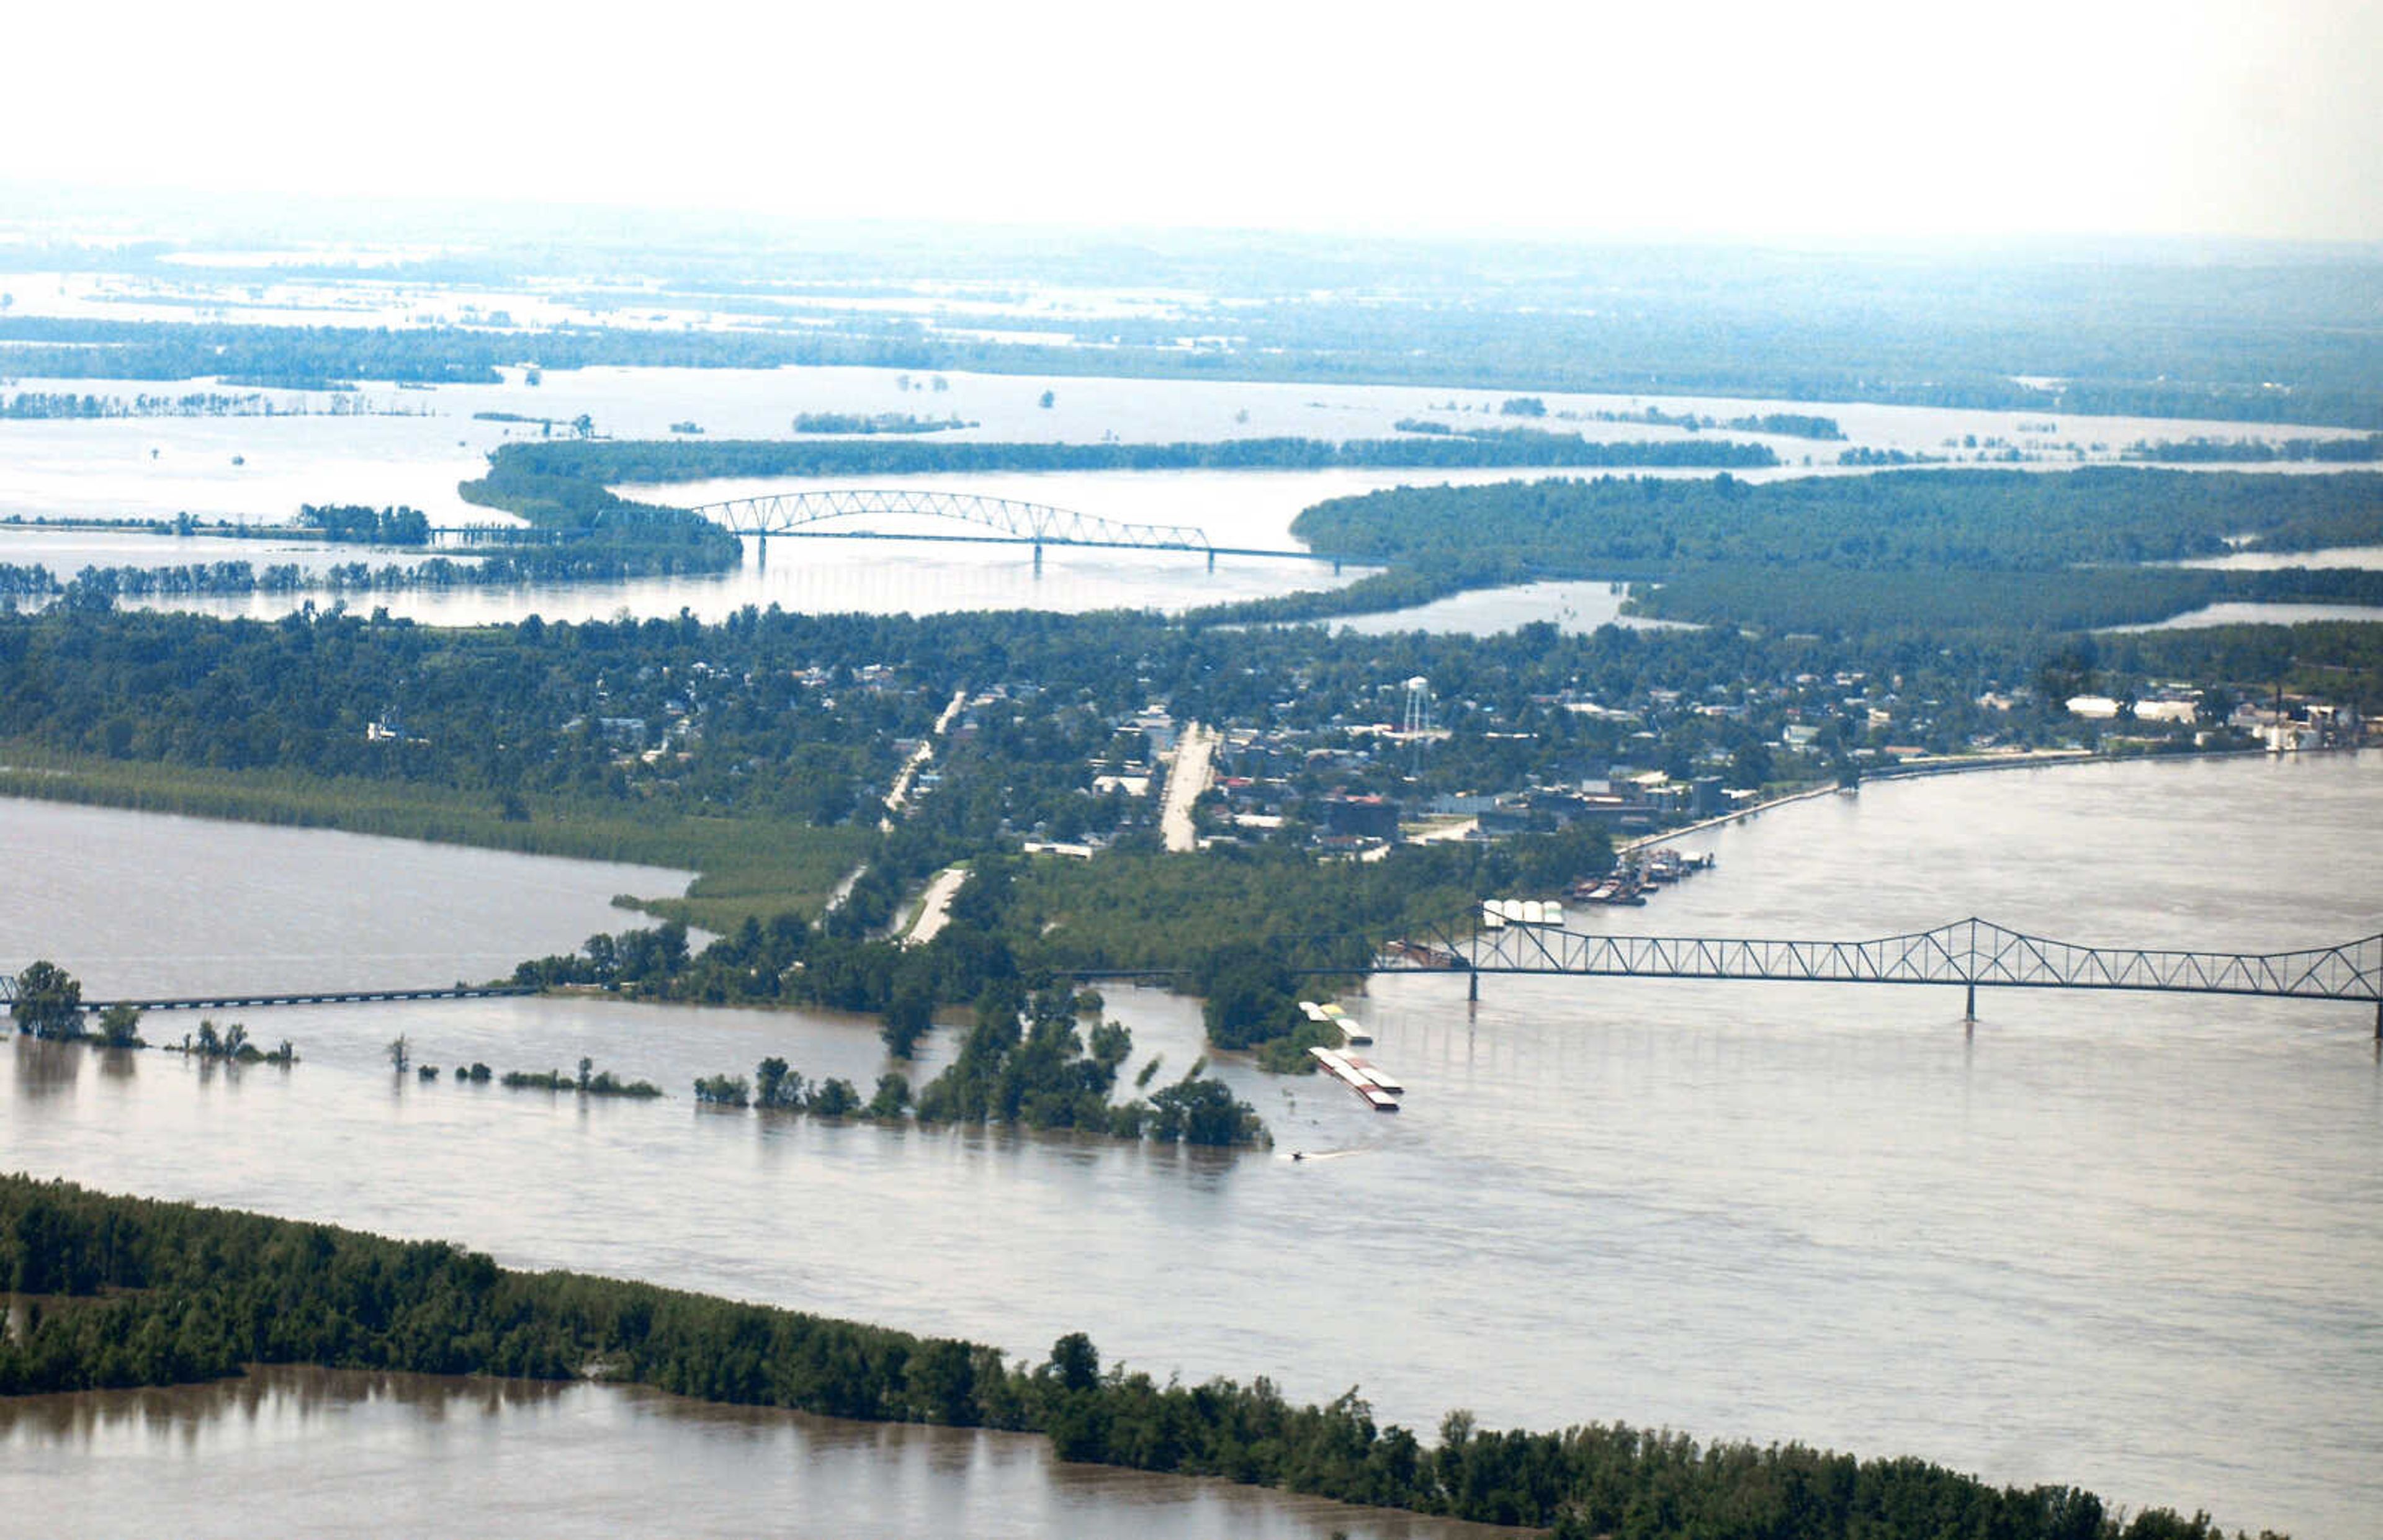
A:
[(1004, 521)]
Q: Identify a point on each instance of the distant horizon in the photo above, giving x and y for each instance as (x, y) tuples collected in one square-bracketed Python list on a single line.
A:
[(234, 216), (1847, 120)]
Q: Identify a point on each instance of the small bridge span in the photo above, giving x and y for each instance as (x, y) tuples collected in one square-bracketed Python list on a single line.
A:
[(227, 1000), (998, 520)]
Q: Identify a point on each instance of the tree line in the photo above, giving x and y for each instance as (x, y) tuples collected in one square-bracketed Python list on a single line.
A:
[(1234, 925), (535, 736), (1989, 520), (362, 524), (2019, 553), (1026, 1062), (122, 1292), (2274, 343), (611, 462)]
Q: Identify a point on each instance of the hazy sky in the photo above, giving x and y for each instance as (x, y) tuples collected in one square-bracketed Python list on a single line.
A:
[(1827, 119)]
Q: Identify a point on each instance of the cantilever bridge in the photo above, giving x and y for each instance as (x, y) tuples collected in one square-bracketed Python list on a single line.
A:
[(1966, 954), (997, 521)]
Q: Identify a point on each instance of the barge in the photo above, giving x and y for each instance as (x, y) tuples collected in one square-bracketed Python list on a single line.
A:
[(1375, 1089)]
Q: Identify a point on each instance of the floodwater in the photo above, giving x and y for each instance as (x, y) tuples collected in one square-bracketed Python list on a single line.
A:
[(421, 443), (140, 905), (2255, 560), (67, 552), (2123, 1242), (1578, 607), (352, 1453), (2239, 612), (834, 577)]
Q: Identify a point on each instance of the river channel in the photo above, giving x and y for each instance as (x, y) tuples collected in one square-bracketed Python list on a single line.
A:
[(2123, 1242), (347, 1453), (384, 445)]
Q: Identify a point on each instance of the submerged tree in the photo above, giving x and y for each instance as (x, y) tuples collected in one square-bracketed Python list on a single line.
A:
[(119, 1026), (49, 1002)]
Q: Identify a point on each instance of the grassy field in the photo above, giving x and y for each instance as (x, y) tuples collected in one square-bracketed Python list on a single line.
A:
[(754, 866)]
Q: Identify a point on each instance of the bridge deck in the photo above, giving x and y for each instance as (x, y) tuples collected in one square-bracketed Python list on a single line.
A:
[(1968, 953), (1008, 521), (1036, 540), (236, 1000)]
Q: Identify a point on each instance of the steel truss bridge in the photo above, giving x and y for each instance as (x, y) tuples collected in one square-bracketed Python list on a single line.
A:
[(1966, 954), (1002, 521)]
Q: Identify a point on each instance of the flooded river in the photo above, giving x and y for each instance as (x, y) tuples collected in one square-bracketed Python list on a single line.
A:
[(418, 445), (2117, 1240), (350, 1453), (140, 905), (414, 444)]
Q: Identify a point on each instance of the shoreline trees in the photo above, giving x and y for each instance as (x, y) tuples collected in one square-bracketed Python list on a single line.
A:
[(123, 1291)]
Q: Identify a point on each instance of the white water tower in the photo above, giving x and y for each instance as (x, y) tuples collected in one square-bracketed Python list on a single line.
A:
[(1418, 711)]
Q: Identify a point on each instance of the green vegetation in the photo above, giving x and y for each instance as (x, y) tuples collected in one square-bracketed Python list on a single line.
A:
[(54, 405), (1791, 424), (601, 465), (755, 752), (1024, 1063), (572, 531), (1949, 550), (49, 1006), (122, 1292), (1834, 602), (1226, 925), (1785, 424), (1993, 520), (777, 1086), (49, 1002), (119, 1026), (2249, 452), (588, 1081), (2274, 335), (883, 422), (582, 532), (748, 865), (387, 526), (1137, 909), (232, 1044)]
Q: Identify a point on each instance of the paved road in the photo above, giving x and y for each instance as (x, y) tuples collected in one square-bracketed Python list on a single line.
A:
[(1185, 782), (935, 905)]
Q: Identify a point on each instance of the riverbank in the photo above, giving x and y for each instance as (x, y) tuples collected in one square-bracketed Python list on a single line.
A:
[(753, 867), (601, 1458), (131, 1271), (2042, 758), (1637, 1150)]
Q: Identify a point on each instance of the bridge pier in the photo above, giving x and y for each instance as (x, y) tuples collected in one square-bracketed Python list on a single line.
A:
[(1969, 1011), (1212, 561), (2378, 1020), (1472, 994), (1038, 558)]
